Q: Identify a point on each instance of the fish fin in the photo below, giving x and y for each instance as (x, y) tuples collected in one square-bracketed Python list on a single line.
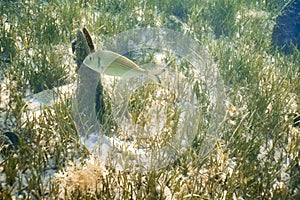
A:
[(155, 78), (153, 74)]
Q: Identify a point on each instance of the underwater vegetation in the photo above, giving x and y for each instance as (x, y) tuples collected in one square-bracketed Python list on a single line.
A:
[(256, 152)]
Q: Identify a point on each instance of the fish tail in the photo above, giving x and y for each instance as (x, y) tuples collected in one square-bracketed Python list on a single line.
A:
[(154, 74), (155, 78)]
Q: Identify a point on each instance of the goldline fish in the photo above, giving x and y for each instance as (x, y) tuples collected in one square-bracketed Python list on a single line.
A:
[(114, 64)]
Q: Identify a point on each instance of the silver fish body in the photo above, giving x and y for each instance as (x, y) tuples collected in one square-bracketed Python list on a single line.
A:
[(114, 64)]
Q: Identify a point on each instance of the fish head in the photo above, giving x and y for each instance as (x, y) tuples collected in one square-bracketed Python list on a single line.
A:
[(93, 61)]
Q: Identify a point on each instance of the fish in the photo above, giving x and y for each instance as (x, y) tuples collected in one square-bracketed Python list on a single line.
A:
[(114, 64)]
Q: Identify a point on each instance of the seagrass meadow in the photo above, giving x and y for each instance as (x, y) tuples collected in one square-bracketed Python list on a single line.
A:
[(256, 153)]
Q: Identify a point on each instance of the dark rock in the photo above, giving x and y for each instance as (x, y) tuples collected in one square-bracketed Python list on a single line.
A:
[(13, 137), (296, 120), (9, 142), (286, 33), (81, 48)]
